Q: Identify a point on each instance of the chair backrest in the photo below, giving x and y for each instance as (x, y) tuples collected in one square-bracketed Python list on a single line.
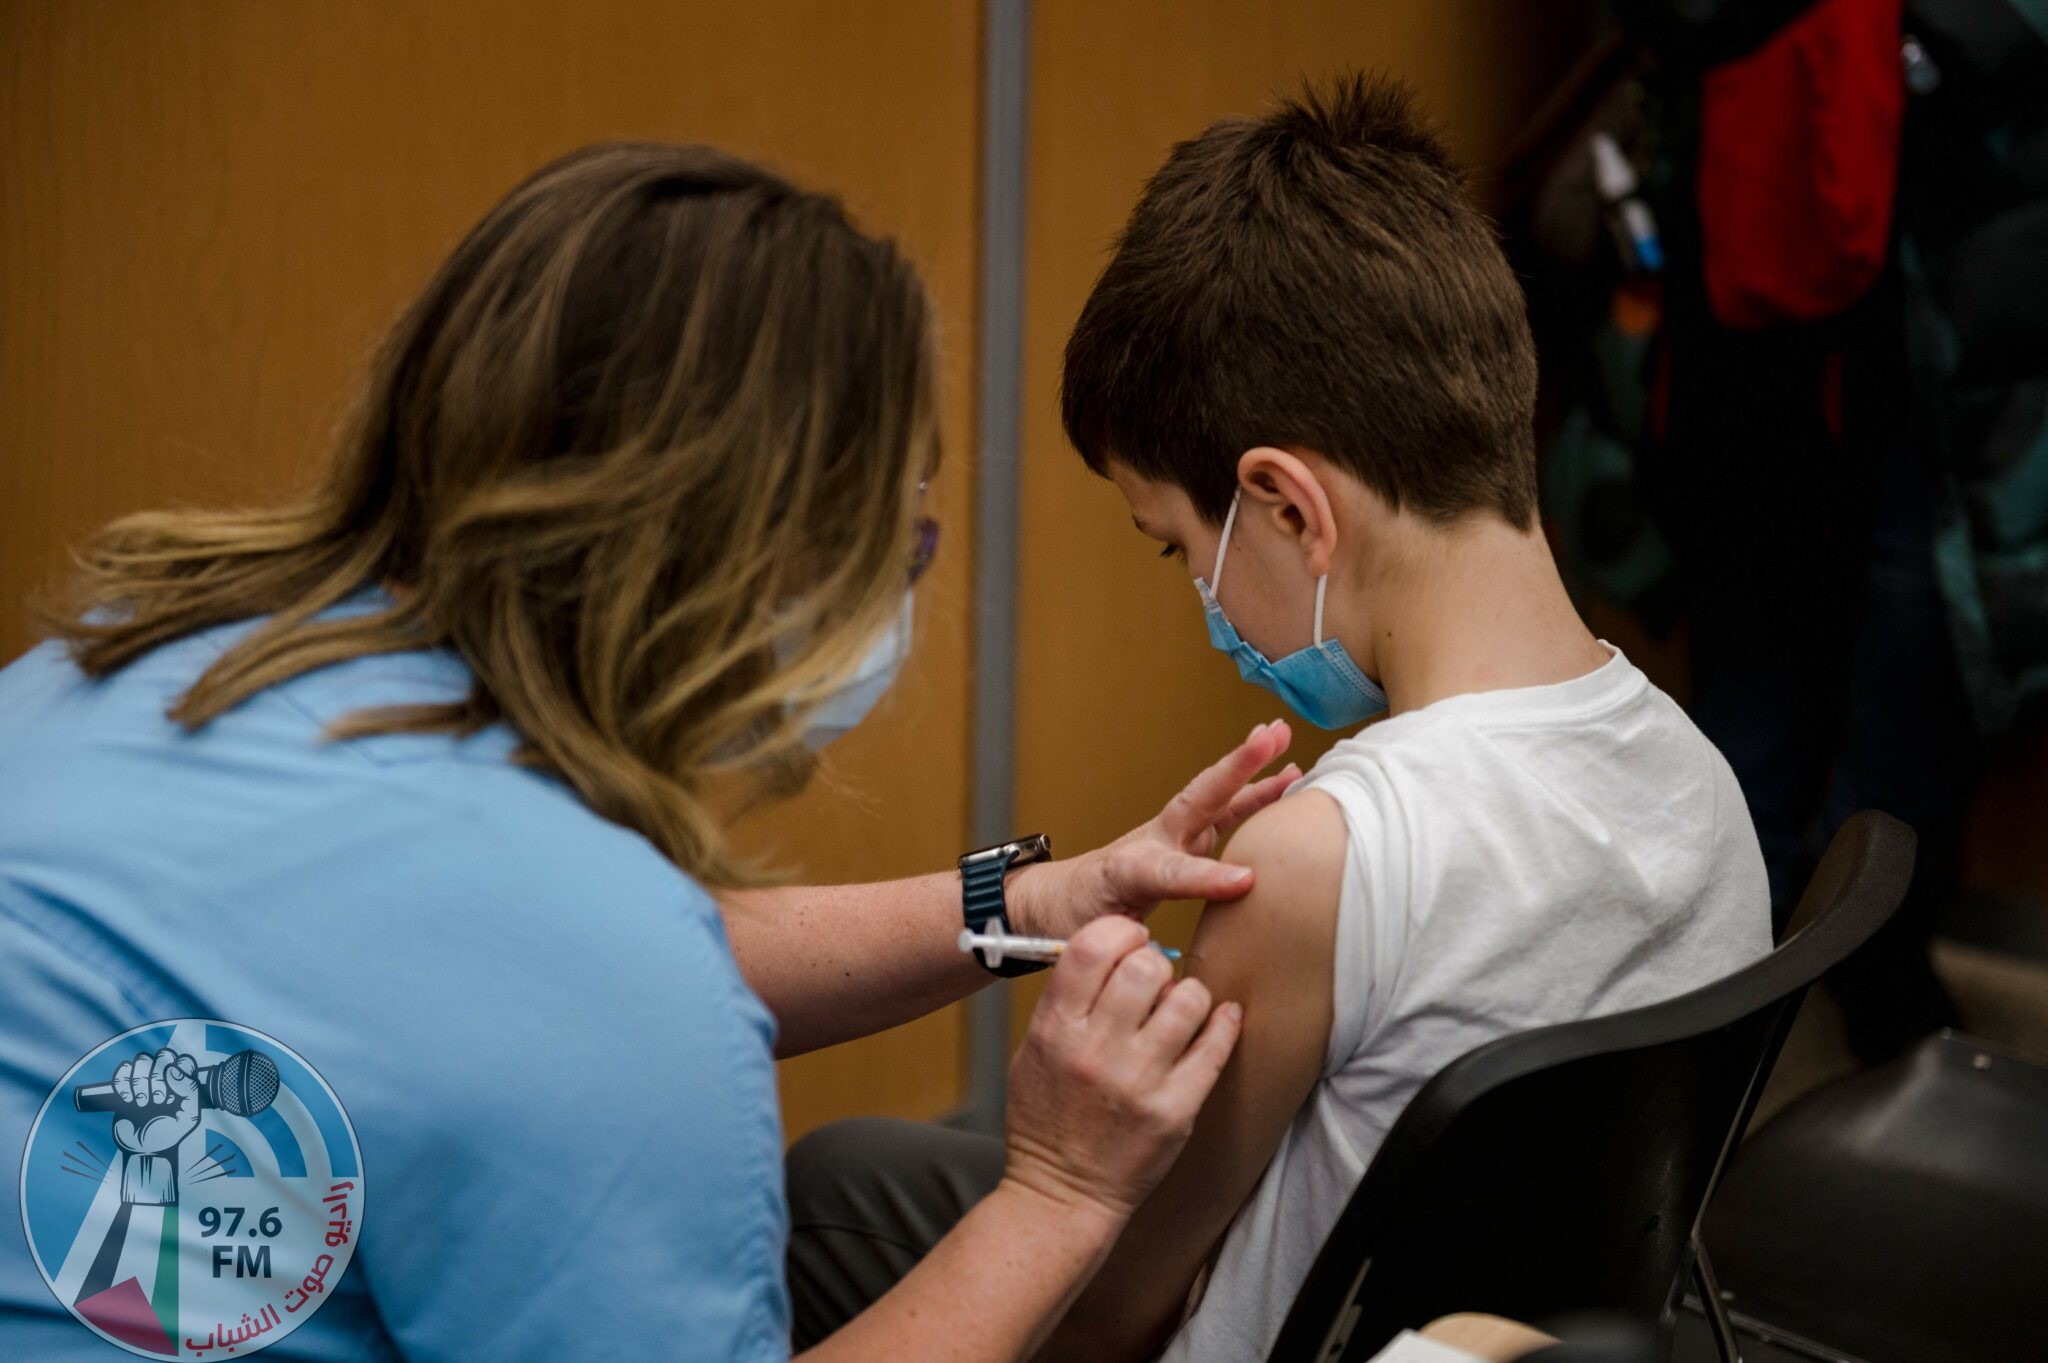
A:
[(1565, 1169)]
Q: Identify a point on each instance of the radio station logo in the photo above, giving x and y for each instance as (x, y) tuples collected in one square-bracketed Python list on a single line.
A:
[(192, 1189)]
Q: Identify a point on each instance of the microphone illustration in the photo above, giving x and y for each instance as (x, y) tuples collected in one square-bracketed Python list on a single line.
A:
[(242, 1085)]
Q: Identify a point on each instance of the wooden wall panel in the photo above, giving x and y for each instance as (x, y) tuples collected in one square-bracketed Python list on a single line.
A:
[(210, 211), (1120, 696)]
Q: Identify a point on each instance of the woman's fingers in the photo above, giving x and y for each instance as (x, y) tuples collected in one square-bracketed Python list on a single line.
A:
[(1205, 801), (1146, 872), (1116, 1063), (1258, 795), (1198, 1068), (1092, 956), (1174, 1022), (1133, 988)]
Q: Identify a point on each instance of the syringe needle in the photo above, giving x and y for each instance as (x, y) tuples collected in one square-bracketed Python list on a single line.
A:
[(999, 945)]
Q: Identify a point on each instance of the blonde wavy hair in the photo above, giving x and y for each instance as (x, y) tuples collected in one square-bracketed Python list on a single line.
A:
[(646, 453)]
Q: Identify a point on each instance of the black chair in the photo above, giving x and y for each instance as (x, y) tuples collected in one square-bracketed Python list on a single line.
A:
[(1565, 1169), (1899, 1213)]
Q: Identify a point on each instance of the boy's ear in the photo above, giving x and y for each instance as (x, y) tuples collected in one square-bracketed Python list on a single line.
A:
[(1281, 486)]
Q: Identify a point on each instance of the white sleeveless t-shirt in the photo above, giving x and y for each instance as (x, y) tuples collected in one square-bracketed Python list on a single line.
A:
[(1516, 858)]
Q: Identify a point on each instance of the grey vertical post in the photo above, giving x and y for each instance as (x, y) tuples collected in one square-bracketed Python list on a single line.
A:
[(1005, 79)]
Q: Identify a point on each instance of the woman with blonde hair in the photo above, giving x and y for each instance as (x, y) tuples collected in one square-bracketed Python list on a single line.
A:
[(423, 783)]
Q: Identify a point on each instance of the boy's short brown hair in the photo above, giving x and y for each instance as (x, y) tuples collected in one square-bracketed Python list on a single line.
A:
[(1316, 279)]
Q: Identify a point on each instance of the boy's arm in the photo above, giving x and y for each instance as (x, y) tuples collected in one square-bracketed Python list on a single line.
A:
[(1272, 951)]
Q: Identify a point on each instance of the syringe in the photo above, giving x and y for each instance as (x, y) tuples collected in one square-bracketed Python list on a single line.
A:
[(1001, 944)]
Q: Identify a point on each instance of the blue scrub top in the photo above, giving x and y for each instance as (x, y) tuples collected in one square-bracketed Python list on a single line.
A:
[(562, 1091)]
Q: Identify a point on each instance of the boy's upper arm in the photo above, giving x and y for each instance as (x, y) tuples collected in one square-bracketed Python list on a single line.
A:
[(1273, 952)]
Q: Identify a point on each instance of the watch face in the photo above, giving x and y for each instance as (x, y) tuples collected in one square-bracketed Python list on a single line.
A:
[(1022, 852)]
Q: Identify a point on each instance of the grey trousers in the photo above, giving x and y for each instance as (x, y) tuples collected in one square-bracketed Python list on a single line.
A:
[(868, 1198)]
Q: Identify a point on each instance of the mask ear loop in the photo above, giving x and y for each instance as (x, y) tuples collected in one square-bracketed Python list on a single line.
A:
[(1321, 583), (1229, 519)]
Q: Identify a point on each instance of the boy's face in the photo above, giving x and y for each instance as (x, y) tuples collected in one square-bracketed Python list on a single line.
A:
[(1268, 591)]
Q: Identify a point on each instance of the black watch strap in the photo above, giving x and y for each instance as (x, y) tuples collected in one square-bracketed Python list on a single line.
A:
[(983, 876)]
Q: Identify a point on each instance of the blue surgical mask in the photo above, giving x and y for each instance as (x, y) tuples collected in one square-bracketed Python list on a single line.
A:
[(846, 707), (1320, 683)]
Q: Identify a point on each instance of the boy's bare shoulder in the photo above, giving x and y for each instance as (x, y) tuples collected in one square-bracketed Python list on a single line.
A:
[(1288, 921), (1302, 835)]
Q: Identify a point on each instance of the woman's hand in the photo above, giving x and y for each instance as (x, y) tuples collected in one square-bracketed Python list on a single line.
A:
[(891, 952), (1103, 1094), (1118, 1059), (1170, 857)]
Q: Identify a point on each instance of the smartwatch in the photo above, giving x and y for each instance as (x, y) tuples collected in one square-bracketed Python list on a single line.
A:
[(982, 873)]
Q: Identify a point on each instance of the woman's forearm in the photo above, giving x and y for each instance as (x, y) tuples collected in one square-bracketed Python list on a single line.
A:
[(836, 962), (991, 1291)]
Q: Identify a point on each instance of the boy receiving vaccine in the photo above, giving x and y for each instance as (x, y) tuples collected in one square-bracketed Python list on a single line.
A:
[(1308, 370)]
